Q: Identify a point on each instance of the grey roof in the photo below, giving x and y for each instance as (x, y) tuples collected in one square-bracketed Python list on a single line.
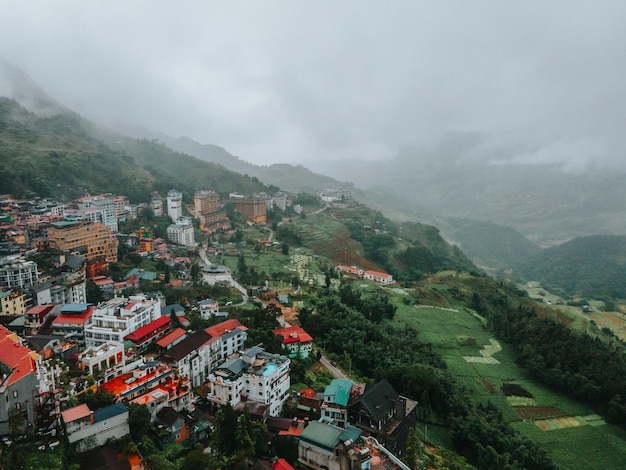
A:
[(235, 365), (74, 308), (109, 412), (379, 399), (328, 436), (253, 351), (169, 415), (178, 308), (188, 345), (41, 342), (74, 261), (231, 333)]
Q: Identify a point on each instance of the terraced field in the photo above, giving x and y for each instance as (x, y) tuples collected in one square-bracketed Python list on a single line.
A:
[(574, 437)]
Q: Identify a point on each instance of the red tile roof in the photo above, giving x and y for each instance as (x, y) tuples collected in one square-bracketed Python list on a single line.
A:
[(223, 327), (170, 337), (144, 331), (17, 357), (293, 334), (67, 319), (77, 412)]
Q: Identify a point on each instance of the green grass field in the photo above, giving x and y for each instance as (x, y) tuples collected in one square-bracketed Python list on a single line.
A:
[(458, 334)]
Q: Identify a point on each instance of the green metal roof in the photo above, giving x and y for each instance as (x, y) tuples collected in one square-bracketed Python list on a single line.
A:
[(322, 435), (340, 389)]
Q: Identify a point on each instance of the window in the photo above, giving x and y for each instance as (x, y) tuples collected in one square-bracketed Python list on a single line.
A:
[(14, 393), (18, 406)]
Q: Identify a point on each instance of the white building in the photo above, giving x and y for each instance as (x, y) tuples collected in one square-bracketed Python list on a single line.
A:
[(182, 231), (103, 357), (118, 317), (232, 336), (18, 274), (194, 356), (106, 205), (174, 204), (94, 428), (208, 308), (254, 375)]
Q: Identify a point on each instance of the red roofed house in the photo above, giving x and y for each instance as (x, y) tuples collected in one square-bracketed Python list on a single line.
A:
[(73, 319), (377, 276), (295, 340), (172, 339), (35, 317), (18, 381), (351, 270), (150, 333)]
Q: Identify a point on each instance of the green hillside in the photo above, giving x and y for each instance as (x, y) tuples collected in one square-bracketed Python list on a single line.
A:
[(54, 155), (490, 244), (590, 266)]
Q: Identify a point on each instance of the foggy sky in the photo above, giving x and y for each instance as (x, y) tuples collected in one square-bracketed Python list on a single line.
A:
[(301, 81)]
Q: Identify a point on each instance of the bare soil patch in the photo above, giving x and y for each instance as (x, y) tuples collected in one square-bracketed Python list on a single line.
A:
[(487, 385), (532, 413), (515, 390)]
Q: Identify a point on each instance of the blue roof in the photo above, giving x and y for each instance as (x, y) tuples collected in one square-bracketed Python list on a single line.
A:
[(109, 412), (74, 308), (340, 389)]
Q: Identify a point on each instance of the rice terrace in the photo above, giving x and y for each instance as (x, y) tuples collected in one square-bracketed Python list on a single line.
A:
[(573, 435)]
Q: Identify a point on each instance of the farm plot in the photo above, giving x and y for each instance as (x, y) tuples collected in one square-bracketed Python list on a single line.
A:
[(576, 439)]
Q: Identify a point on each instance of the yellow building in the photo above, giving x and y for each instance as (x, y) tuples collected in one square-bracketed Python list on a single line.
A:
[(12, 303), (92, 241), (254, 208)]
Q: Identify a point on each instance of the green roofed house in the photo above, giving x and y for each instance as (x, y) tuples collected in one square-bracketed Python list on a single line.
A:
[(327, 446), (337, 396)]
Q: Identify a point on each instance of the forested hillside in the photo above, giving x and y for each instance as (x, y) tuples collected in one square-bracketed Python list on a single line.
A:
[(590, 266), (56, 154)]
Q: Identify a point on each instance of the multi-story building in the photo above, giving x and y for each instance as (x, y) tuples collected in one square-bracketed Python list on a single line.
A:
[(66, 285), (118, 317), (254, 375), (152, 332), (35, 317), (174, 204), (78, 215), (95, 242), (73, 320), (142, 379), (107, 205), (12, 303), (208, 208), (181, 232), (337, 396), (156, 204), (253, 207), (232, 337), (101, 358), (18, 274), (326, 446), (193, 357), (18, 383), (209, 308)]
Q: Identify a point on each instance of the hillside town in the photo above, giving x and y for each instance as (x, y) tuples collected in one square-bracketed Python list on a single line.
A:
[(179, 364)]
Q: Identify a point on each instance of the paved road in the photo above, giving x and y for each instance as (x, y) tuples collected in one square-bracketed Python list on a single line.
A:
[(335, 371)]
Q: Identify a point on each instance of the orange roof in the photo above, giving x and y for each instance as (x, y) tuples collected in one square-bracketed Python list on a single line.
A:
[(281, 464), (19, 358), (223, 327), (170, 337), (77, 412)]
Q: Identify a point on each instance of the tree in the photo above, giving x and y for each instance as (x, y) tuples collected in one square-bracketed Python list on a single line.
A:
[(93, 292), (138, 420), (175, 322), (285, 249)]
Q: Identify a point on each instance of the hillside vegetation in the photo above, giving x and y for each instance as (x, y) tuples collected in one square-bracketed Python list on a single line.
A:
[(590, 266), (56, 154)]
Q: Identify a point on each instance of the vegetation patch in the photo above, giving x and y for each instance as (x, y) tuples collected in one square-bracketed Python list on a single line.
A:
[(487, 385)]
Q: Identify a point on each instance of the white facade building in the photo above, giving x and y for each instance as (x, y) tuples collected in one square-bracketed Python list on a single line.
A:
[(208, 308), (118, 317), (182, 231), (18, 274), (174, 204), (254, 375), (106, 205)]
